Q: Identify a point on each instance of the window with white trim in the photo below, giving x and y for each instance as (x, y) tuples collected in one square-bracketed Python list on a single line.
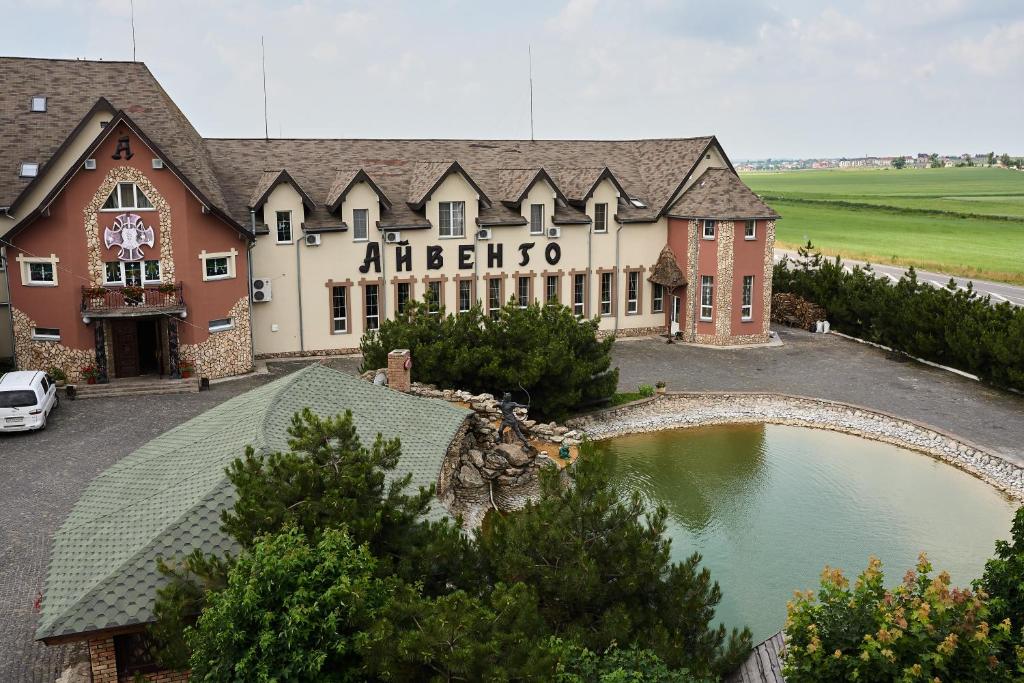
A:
[(28, 169), (38, 103), (551, 289), (151, 271), (523, 291), (451, 219), (434, 297), (536, 219), (221, 324), (41, 273), (339, 309), (218, 266), (465, 295), (657, 298), (403, 294), (360, 225), (600, 218), (747, 300), (284, 227), (579, 293), (606, 293), (709, 229), (127, 196), (750, 230), (707, 297), (46, 333), (632, 291), (494, 296), (372, 307)]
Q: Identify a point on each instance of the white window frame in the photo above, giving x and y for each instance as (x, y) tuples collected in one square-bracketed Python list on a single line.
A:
[(401, 306), (632, 292), (548, 296), (219, 325), (750, 230), (494, 303), (277, 227), (747, 298), (343, 318), (453, 229), (434, 303), (606, 304), (26, 270), (28, 169), (707, 292), (40, 336), (469, 295), (365, 213), (41, 100), (657, 298), (579, 294), (229, 255), (375, 317), (120, 273), (537, 219), (159, 271), (709, 223), (601, 225), (116, 193)]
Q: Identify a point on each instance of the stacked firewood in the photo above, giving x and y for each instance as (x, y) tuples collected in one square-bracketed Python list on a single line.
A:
[(789, 309)]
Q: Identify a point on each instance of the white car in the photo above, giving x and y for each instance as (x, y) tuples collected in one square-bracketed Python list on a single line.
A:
[(26, 399)]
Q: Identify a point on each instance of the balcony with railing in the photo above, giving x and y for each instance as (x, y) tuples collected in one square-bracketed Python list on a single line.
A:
[(122, 302)]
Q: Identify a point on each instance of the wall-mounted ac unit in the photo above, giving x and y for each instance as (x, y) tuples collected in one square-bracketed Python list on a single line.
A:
[(261, 289), (483, 234), (313, 240), (158, 163), (554, 232), (90, 164), (392, 237)]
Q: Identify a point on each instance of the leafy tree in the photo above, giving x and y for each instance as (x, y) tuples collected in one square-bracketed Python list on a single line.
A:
[(293, 609), (556, 358), (617, 665), (600, 566), (1004, 160), (899, 163), (1003, 580), (934, 161), (920, 630), (991, 159)]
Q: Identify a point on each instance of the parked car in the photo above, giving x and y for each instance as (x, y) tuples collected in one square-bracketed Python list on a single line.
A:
[(26, 399)]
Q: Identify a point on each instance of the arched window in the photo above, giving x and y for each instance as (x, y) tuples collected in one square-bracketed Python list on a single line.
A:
[(127, 196)]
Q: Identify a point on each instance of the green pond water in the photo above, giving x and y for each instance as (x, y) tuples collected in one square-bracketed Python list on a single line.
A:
[(769, 506)]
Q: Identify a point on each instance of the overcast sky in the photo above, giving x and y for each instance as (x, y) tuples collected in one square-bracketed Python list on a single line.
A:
[(780, 78)]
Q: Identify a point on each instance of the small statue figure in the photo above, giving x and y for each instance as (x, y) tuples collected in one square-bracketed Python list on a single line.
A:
[(563, 452), (508, 419)]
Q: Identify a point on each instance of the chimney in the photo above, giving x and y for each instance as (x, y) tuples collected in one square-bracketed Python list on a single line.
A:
[(400, 369)]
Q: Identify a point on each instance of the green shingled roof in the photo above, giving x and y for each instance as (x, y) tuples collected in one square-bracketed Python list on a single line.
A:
[(164, 500)]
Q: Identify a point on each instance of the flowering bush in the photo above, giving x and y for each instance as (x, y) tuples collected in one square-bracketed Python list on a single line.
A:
[(920, 630)]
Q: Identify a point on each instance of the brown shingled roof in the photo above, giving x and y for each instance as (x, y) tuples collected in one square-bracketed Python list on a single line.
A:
[(720, 194), (666, 271), (72, 89), (271, 179)]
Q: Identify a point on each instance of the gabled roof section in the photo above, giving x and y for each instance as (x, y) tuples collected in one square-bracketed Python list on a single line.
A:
[(271, 179), (428, 176), (719, 193), (606, 174), (164, 500), (516, 183), (663, 179), (345, 180)]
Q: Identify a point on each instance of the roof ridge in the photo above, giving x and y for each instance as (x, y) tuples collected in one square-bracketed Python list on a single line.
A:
[(70, 59)]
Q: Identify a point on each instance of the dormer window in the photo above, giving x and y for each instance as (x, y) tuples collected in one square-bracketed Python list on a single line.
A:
[(536, 219), (451, 219), (38, 103), (28, 169), (127, 196), (600, 218)]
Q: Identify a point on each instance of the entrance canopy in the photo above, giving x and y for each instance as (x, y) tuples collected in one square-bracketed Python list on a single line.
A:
[(666, 271)]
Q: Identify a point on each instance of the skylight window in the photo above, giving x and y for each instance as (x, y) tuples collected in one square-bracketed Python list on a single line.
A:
[(39, 103), (29, 169), (637, 203)]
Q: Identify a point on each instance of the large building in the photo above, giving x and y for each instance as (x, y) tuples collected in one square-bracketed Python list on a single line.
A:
[(135, 246)]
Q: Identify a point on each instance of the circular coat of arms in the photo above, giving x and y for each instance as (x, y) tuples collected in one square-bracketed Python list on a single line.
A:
[(130, 235)]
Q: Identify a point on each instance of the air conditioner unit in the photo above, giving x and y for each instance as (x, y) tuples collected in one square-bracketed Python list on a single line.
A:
[(554, 232), (90, 164), (483, 234), (392, 237), (261, 289), (158, 163), (313, 240)]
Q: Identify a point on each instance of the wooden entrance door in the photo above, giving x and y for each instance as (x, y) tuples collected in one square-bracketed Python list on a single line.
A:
[(126, 348)]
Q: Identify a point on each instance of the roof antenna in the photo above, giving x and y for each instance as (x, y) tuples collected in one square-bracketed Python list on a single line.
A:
[(133, 29), (266, 124), (529, 50)]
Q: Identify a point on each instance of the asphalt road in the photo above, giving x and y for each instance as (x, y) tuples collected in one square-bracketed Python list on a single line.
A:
[(999, 291)]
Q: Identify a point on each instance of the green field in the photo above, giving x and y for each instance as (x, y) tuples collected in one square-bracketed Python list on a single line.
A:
[(962, 221)]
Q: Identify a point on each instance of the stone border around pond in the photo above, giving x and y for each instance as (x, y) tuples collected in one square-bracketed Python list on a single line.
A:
[(685, 409)]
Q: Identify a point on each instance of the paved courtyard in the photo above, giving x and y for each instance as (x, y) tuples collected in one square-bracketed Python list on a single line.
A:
[(43, 474)]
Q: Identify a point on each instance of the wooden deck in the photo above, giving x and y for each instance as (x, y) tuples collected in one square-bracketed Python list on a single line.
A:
[(764, 664)]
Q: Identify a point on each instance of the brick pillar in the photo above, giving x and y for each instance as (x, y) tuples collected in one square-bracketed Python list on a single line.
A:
[(400, 376), (103, 660)]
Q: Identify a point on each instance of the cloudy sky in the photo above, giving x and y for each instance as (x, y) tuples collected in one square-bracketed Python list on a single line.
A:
[(774, 78)]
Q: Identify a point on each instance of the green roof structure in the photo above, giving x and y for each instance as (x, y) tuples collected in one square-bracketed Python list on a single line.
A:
[(165, 499)]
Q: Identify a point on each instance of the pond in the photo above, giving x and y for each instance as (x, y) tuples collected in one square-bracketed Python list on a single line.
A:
[(769, 506)]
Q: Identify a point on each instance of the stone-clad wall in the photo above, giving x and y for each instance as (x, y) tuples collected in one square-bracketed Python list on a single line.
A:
[(103, 664), (34, 354), (223, 353)]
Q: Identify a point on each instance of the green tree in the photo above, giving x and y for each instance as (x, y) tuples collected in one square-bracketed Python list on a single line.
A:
[(1004, 160), (921, 630), (899, 163), (617, 665), (1003, 580), (934, 161), (991, 159), (600, 564), (292, 610), (556, 358)]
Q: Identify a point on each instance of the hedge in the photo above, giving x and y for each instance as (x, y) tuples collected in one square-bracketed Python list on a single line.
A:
[(946, 325)]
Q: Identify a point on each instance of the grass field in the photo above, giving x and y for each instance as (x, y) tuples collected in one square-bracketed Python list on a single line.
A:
[(961, 221)]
